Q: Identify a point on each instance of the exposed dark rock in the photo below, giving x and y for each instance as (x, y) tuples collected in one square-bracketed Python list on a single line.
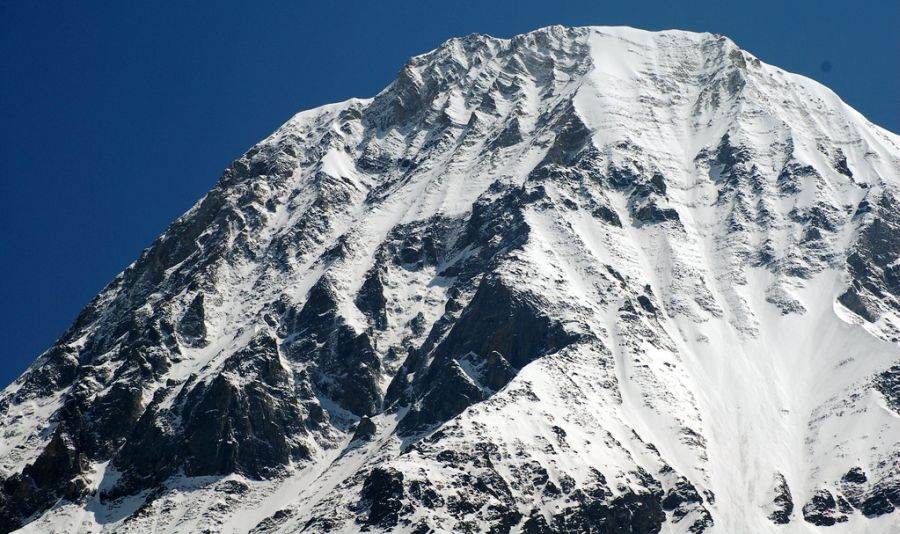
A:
[(840, 164), (418, 324), (365, 430), (491, 372), (424, 492), (646, 304), (703, 522), (729, 155), (245, 420), (631, 513), (54, 475), (383, 494), (92, 424), (888, 384), (822, 510), (881, 501), (853, 301), (816, 217), (244, 426), (509, 136), (855, 476), (193, 323), (54, 370), (862, 208), (371, 301), (652, 214), (622, 177), (494, 226), (574, 137), (321, 336), (233, 487), (150, 454), (791, 178), (449, 394), (605, 213), (682, 500), (274, 521), (659, 183), (682, 493), (111, 415), (783, 503), (875, 279), (497, 320)]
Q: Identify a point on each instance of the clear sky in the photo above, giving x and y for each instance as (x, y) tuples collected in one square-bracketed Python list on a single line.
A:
[(115, 117)]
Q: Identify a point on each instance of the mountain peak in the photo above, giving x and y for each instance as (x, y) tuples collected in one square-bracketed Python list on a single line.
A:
[(582, 276)]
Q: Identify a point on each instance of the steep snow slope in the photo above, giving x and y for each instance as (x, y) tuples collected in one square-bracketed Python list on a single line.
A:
[(585, 279)]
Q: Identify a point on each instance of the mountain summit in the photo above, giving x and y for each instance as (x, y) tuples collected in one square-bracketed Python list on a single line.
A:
[(581, 280)]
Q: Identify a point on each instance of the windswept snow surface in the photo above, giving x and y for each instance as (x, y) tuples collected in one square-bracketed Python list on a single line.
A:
[(585, 279)]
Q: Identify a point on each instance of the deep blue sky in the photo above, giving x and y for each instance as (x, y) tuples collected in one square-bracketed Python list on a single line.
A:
[(116, 116)]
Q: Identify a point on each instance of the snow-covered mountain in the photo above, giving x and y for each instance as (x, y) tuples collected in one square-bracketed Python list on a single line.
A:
[(581, 280)]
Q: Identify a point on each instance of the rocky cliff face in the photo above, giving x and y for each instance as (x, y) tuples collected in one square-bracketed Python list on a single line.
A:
[(581, 280)]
